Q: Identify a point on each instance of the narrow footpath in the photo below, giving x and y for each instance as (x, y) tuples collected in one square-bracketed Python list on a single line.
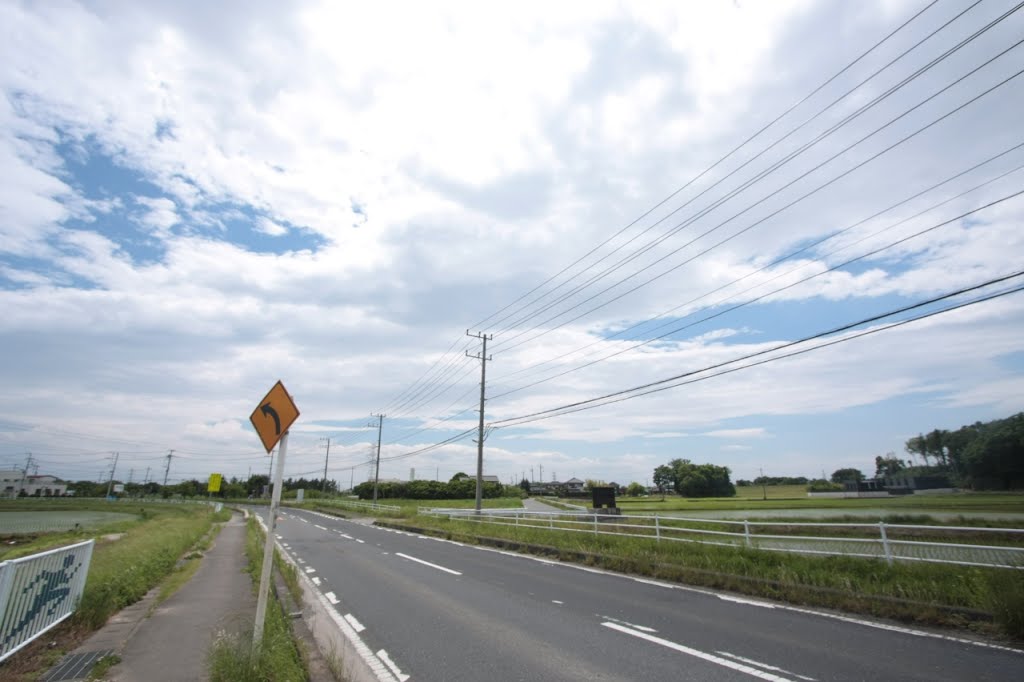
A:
[(172, 643)]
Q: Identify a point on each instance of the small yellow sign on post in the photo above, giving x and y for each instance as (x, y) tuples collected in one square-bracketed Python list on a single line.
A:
[(214, 485), (272, 417)]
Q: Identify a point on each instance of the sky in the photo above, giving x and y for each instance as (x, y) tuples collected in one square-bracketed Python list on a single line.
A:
[(201, 199)]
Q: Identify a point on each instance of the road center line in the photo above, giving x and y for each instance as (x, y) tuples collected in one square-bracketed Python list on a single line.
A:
[(316, 525), (427, 563), (711, 658)]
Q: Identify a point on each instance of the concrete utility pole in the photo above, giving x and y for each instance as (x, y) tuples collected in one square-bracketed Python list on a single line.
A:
[(482, 357), (146, 480), (764, 490), (24, 475), (541, 477), (170, 453), (110, 483), (376, 473), (326, 457)]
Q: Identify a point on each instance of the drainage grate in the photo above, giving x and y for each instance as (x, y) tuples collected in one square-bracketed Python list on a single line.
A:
[(75, 666)]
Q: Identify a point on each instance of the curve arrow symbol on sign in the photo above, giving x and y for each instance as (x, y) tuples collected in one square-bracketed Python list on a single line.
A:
[(269, 411)]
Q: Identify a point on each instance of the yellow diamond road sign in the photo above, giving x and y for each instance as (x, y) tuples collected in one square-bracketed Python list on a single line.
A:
[(272, 417), (214, 485)]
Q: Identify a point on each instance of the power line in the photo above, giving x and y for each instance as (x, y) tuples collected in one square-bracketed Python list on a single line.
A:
[(660, 385), (487, 321), (791, 285), (774, 213), (731, 194)]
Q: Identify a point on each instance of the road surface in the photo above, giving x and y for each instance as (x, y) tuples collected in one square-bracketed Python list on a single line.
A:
[(437, 610)]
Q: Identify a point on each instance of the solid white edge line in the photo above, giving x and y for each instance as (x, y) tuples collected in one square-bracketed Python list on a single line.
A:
[(356, 625), (711, 658), (427, 563), (383, 655), (316, 525), (380, 670)]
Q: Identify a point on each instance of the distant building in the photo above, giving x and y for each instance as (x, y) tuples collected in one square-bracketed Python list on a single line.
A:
[(574, 485), (13, 482)]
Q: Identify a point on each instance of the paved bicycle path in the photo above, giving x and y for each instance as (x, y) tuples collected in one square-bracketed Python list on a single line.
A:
[(172, 643)]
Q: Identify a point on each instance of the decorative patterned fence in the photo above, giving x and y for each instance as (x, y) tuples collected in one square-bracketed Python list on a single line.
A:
[(37, 592), (891, 542)]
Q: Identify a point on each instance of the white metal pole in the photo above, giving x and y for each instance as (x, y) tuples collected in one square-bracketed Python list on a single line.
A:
[(268, 547)]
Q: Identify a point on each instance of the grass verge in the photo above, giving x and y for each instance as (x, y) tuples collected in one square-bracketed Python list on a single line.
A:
[(984, 600), (232, 659), (147, 549)]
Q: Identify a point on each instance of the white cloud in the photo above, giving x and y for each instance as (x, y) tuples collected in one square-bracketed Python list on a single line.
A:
[(737, 433), (434, 169)]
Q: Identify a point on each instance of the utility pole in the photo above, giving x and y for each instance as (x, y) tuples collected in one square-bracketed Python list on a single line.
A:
[(541, 477), (170, 453), (24, 475), (131, 473), (482, 357), (146, 480), (376, 474), (351, 479), (326, 457), (110, 483), (764, 490)]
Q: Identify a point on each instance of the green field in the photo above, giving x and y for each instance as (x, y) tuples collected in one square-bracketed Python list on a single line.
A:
[(786, 497)]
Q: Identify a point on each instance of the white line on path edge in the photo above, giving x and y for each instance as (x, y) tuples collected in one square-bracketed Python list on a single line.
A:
[(376, 665), (331, 597), (711, 658), (356, 625), (383, 655), (427, 563)]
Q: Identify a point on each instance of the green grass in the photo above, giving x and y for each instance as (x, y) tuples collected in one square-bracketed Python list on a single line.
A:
[(122, 571), (410, 507), (922, 593), (785, 497), (232, 658)]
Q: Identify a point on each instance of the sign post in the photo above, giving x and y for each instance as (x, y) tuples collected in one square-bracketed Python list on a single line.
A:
[(271, 419)]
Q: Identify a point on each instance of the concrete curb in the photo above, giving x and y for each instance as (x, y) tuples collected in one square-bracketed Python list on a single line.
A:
[(334, 636)]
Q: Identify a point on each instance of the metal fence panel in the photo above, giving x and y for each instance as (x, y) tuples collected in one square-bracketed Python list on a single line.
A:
[(873, 543), (37, 592)]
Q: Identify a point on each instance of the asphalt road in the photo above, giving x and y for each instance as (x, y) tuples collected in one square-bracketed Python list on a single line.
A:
[(438, 610)]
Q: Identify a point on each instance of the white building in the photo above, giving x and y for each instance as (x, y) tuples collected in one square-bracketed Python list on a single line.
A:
[(13, 481)]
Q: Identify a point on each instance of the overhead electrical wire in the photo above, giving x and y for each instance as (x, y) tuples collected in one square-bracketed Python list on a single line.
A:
[(775, 166), (776, 277), (721, 160), (891, 34), (669, 382), (776, 212), (763, 173)]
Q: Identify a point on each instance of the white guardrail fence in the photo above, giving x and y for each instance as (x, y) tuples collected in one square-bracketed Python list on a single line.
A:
[(357, 505), (39, 591), (892, 542)]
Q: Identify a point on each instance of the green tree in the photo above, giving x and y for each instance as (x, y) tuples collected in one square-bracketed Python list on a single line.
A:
[(696, 480), (889, 465), (843, 475), (663, 478), (458, 476), (917, 446), (525, 485), (635, 489)]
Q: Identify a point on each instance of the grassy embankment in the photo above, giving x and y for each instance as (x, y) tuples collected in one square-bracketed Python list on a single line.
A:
[(987, 600), (231, 659), (130, 557), (408, 507)]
